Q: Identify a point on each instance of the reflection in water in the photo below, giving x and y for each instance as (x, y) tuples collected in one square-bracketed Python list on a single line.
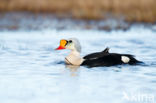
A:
[(73, 69)]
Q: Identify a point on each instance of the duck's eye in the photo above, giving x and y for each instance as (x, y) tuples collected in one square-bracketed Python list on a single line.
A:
[(70, 41)]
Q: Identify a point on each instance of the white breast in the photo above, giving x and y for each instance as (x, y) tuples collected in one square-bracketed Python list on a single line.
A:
[(73, 60)]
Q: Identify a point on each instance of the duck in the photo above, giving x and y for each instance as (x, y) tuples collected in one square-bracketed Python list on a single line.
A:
[(97, 59)]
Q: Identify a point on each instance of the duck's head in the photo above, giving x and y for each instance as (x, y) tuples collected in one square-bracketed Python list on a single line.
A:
[(72, 44)]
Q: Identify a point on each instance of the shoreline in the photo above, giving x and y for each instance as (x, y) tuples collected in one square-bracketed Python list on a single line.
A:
[(31, 21), (129, 10)]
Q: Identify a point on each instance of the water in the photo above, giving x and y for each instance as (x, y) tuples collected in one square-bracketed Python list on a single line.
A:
[(31, 71)]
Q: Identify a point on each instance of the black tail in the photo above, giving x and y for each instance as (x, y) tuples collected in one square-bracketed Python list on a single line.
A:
[(133, 61)]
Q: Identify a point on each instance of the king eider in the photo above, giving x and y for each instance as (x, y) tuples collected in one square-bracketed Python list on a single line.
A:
[(97, 59)]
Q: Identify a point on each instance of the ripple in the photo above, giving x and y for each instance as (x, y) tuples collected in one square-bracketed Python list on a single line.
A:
[(30, 66)]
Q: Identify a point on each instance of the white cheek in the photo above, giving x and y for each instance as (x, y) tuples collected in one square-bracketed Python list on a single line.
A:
[(70, 46), (125, 59)]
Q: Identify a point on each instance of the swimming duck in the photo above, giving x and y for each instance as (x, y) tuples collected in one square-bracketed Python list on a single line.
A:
[(103, 58)]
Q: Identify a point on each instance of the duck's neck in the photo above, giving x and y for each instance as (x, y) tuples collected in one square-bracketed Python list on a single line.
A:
[(75, 53), (74, 58)]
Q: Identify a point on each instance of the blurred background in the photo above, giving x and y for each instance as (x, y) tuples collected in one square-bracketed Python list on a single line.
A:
[(114, 11), (132, 10)]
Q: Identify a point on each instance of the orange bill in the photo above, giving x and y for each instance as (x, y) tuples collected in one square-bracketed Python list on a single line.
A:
[(62, 44)]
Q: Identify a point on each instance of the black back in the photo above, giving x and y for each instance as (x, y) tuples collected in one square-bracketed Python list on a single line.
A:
[(105, 58), (97, 54)]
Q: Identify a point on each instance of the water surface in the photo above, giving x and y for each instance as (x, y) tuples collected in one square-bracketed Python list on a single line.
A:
[(31, 71)]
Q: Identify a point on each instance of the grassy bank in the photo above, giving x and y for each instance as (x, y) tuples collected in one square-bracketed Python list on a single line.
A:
[(131, 10)]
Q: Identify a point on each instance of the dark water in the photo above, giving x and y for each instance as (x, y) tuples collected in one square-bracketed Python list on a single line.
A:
[(31, 71)]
